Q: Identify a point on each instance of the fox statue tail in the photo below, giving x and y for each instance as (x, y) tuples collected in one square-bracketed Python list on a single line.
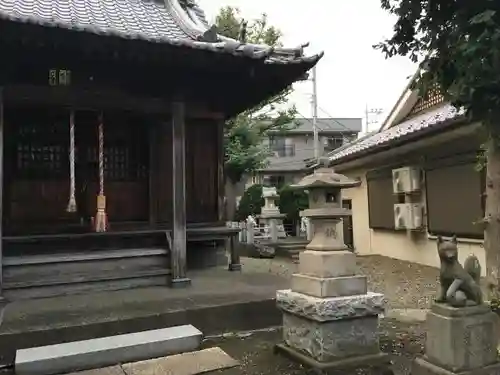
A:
[(473, 267)]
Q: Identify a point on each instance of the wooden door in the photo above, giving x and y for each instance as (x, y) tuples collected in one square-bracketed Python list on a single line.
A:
[(36, 167), (126, 164)]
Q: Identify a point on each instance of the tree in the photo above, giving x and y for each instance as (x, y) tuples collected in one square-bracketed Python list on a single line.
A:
[(457, 43), (291, 202), (244, 134), (251, 203)]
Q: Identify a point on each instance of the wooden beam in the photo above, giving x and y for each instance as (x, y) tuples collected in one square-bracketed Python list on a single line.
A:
[(178, 256), (97, 98), (1, 190)]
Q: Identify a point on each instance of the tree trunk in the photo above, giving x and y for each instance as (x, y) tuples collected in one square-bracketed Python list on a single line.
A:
[(492, 217)]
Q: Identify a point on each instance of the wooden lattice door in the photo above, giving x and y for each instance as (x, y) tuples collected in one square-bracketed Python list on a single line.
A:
[(36, 166), (126, 164)]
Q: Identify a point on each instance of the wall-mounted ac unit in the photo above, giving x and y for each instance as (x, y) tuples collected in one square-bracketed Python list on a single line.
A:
[(406, 180), (408, 216)]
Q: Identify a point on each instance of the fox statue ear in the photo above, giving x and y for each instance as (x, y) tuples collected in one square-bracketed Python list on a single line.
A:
[(454, 238), (439, 239)]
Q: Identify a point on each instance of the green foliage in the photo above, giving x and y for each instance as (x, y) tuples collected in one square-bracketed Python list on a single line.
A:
[(251, 203), (245, 133), (292, 201), (458, 44)]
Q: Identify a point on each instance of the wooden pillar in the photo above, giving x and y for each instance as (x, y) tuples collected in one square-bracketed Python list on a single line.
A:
[(178, 256), (1, 191), (153, 174), (220, 172)]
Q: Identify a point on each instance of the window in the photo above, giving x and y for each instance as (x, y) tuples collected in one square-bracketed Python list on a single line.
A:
[(332, 143), (454, 198), (277, 181), (42, 141), (280, 146), (381, 199)]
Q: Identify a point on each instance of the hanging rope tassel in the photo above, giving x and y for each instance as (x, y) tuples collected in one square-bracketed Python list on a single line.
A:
[(101, 219), (72, 200)]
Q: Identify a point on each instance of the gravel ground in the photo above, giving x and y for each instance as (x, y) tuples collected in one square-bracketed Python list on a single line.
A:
[(403, 341), (405, 284)]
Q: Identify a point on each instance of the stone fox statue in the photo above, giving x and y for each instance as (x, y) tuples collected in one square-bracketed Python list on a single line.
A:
[(459, 285)]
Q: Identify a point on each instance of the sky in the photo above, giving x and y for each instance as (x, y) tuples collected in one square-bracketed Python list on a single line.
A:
[(352, 75)]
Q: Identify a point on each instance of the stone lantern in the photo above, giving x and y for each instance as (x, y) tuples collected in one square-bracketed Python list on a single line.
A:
[(330, 320), (270, 214)]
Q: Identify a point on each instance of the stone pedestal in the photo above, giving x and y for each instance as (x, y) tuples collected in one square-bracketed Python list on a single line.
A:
[(460, 341), (270, 215), (273, 221), (330, 320)]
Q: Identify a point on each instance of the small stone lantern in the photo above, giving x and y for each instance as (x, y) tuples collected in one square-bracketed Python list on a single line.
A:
[(270, 214), (330, 320)]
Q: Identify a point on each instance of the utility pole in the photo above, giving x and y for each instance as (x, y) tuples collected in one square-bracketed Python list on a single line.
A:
[(314, 105), (371, 111)]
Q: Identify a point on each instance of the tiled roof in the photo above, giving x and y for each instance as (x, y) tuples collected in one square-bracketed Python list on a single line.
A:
[(175, 22), (327, 125), (432, 118)]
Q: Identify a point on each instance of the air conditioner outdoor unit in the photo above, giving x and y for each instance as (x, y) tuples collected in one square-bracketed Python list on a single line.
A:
[(408, 216), (406, 180)]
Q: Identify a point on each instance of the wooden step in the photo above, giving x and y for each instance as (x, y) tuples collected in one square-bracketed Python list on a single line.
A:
[(85, 279), (107, 351), (80, 256), (32, 276)]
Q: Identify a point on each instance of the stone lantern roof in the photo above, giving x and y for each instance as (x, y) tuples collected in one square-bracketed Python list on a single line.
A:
[(325, 177)]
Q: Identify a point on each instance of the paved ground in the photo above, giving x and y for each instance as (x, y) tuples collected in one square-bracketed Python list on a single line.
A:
[(405, 284), (407, 287), (403, 341)]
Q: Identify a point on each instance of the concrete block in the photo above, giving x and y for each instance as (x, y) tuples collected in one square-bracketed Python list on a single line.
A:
[(461, 339), (202, 361), (327, 263), (334, 340), (329, 287), (114, 370), (106, 351)]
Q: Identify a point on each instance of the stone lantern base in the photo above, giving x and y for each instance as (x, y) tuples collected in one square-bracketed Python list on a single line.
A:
[(330, 320), (327, 333)]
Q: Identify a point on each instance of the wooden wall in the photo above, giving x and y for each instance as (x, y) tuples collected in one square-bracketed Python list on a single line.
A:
[(202, 171), (134, 193)]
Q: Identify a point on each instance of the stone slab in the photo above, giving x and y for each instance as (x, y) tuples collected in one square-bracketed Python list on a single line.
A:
[(106, 351), (379, 360), (191, 363), (422, 367), (114, 370), (327, 263), (327, 309), (329, 287), (461, 343), (334, 340)]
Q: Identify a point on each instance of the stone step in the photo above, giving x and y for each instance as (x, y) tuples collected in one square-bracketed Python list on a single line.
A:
[(107, 351)]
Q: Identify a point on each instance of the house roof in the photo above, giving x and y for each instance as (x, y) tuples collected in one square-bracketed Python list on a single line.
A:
[(327, 125), (430, 119), (174, 22)]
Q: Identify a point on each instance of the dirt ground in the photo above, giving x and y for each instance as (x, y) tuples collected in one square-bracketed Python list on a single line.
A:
[(403, 341), (405, 284)]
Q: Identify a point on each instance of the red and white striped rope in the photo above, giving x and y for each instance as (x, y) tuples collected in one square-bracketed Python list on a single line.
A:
[(101, 155)]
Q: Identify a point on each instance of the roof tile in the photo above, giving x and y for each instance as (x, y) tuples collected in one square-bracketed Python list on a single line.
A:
[(418, 123), (140, 19)]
